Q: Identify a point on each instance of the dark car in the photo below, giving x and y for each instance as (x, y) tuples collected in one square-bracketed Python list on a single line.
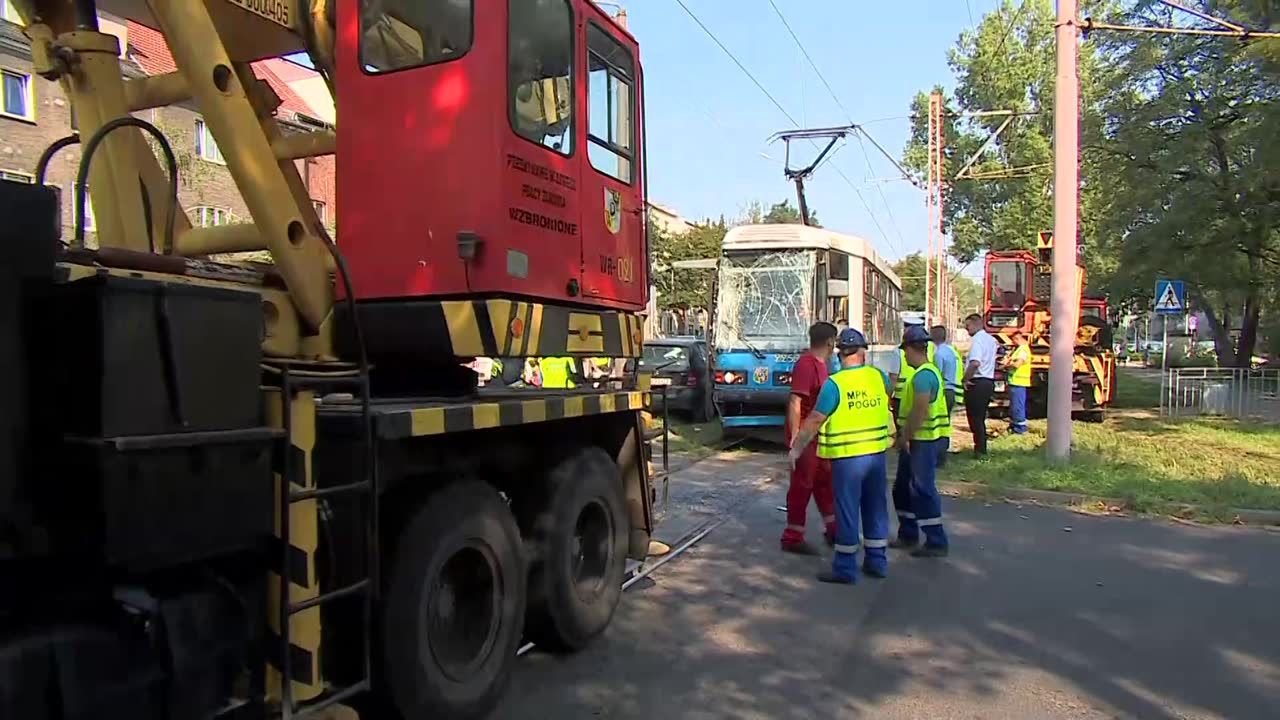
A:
[(681, 367)]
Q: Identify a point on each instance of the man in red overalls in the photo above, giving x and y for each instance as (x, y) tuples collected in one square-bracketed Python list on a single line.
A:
[(812, 475)]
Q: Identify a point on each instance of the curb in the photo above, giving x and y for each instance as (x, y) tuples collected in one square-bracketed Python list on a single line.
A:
[(972, 490)]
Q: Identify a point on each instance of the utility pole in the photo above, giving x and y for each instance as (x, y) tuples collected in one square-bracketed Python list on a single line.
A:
[(1064, 304)]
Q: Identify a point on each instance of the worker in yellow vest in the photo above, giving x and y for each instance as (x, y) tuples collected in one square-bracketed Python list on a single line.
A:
[(905, 371), (855, 429), (923, 426), (558, 372), (1018, 376)]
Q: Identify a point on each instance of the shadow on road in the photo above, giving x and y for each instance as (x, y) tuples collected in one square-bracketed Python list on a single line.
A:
[(1038, 613)]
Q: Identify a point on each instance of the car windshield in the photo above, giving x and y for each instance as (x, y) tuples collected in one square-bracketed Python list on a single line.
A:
[(665, 357), (765, 300), (1008, 284)]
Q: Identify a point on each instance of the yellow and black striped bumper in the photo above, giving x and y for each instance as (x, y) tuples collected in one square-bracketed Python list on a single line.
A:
[(496, 328), (394, 421)]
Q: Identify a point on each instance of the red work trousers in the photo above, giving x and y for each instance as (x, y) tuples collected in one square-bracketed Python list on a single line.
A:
[(811, 478)]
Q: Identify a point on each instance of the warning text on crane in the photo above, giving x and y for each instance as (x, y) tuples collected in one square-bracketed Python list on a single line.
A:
[(277, 11)]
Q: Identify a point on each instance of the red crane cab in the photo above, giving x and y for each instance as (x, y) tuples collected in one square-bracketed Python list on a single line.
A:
[(489, 148)]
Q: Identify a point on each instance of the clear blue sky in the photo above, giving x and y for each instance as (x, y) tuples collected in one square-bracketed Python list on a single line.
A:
[(709, 124)]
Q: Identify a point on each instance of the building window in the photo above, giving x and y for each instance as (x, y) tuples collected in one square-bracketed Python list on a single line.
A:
[(540, 72), (322, 210), (206, 146), (17, 176), (210, 216), (400, 34), (17, 95), (611, 112)]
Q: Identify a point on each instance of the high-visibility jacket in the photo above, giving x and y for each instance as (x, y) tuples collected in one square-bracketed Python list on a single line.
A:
[(1021, 375), (556, 372), (937, 421), (860, 423), (905, 371), (957, 383)]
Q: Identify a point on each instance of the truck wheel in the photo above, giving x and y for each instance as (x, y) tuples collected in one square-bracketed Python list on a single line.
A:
[(580, 532), (454, 605)]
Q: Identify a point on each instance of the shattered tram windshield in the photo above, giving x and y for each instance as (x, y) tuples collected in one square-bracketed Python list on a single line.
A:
[(765, 300)]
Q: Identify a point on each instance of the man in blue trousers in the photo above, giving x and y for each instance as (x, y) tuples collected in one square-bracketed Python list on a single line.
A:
[(855, 429), (924, 425)]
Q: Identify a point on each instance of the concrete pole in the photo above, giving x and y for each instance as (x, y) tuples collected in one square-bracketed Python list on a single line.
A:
[(1065, 304), (928, 257)]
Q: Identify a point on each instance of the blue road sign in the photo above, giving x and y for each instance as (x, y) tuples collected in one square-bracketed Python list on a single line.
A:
[(1171, 297)]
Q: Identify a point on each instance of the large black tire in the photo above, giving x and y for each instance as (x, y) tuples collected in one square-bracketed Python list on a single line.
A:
[(578, 529), (454, 605)]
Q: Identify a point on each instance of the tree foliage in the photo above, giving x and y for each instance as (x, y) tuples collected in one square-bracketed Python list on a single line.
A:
[(1179, 163), (911, 271), (683, 288)]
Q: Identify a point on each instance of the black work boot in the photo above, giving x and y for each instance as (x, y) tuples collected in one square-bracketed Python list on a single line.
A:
[(900, 544), (930, 551), (827, 576)]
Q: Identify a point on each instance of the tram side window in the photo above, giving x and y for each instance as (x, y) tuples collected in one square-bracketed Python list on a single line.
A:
[(540, 72), (401, 34), (838, 263), (611, 120)]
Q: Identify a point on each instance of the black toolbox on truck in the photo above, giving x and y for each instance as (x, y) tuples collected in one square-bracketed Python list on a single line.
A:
[(164, 458)]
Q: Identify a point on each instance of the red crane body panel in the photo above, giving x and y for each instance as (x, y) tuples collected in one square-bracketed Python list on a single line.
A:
[(490, 147)]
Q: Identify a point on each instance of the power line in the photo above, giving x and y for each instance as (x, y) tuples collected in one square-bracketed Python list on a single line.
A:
[(883, 200), (804, 51), (737, 62), (812, 64)]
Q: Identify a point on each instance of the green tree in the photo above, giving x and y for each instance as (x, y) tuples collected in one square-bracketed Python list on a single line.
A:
[(911, 271), (1005, 64), (1190, 139), (680, 288), (786, 213)]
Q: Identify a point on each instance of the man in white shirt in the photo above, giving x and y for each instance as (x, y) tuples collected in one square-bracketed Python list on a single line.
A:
[(979, 381)]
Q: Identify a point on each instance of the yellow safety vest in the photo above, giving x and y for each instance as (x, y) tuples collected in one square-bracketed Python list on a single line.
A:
[(860, 423), (555, 372), (1021, 375), (905, 371), (937, 422)]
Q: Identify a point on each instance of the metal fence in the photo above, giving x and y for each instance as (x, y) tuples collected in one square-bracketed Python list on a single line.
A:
[(1232, 392)]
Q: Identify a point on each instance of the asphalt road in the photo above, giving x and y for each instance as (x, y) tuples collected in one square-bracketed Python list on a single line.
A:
[(1027, 619)]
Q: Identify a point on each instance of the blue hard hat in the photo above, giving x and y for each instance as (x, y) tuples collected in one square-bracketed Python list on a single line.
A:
[(851, 338), (915, 335)]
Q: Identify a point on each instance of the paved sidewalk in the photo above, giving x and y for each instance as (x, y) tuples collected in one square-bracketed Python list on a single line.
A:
[(1027, 619)]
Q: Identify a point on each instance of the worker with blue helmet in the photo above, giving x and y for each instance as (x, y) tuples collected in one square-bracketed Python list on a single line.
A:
[(924, 427), (855, 430)]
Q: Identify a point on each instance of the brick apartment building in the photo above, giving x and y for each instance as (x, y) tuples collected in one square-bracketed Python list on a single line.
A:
[(34, 112)]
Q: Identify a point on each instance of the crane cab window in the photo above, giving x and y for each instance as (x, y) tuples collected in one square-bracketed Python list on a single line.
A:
[(540, 72), (611, 120), (1008, 284), (401, 34)]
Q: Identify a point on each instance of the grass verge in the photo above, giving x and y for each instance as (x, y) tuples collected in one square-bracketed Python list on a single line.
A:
[(1149, 463)]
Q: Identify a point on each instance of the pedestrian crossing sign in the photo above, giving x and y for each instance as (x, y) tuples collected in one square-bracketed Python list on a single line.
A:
[(1171, 297)]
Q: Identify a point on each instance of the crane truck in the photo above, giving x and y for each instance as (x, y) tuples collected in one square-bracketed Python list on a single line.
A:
[(1017, 286), (273, 489)]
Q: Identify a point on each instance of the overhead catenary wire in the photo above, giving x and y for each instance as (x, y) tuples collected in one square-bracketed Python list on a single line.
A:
[(737, 62), (859, 132), (698, 21)]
